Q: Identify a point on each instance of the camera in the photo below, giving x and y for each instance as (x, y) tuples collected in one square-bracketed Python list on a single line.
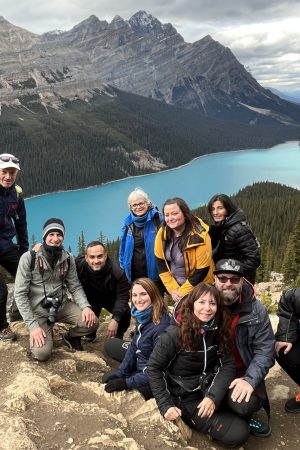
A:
[(53, 304)]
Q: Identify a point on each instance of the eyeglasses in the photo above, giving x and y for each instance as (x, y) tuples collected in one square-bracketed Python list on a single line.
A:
[(10, 158), (233, 280), (137, 205)]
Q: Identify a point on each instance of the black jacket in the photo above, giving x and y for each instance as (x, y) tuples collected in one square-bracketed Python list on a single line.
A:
[(177, 375), (12, 220), (289, 316), (235, 239), (107, 288)]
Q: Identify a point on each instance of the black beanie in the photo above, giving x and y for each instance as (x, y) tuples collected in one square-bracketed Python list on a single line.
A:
[(53, 224)]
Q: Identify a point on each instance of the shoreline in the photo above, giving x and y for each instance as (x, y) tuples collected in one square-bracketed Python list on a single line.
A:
[(160, 171)]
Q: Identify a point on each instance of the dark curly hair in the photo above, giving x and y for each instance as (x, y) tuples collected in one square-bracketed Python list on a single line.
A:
[(190, 326)]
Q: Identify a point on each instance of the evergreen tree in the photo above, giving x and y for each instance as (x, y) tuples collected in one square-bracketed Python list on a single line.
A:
[(81, 249), (102, 237), (33, 241), (291, 260)]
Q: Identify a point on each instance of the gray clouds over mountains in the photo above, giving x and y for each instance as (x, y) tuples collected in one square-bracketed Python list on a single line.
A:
[(263, 34)]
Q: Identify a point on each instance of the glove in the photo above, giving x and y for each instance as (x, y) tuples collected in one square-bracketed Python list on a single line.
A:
[(110, 375), (117, 384)]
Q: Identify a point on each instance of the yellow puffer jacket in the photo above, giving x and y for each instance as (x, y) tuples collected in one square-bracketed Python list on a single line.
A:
[(197, 257)]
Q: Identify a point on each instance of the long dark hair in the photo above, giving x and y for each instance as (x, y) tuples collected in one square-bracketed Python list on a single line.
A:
[(190, 220), (190, 325), (159, 304), (226, 202)]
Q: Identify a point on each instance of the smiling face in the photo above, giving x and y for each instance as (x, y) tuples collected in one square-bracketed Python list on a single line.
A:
[(54, 238), (205, 307), (139, 206), (218, 211), (8, 177), (96, 257), (174, 218), (140, 297), (230, 285)]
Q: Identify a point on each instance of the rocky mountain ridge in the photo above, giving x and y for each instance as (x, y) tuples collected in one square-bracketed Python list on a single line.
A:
[(141, 56)]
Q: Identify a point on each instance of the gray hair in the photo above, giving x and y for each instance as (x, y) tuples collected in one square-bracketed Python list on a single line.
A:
[(137, 194)]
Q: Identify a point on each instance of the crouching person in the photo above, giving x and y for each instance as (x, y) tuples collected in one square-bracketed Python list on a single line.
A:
[(40, 293), (151, 313), (191, 368)]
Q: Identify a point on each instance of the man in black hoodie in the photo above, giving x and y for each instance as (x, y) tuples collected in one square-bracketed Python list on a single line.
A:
[(105, 286)]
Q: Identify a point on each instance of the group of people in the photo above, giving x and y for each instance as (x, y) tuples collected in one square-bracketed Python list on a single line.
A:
[(207, 361)]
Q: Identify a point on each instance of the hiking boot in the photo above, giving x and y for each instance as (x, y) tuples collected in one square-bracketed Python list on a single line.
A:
[(293, 404), (7, 334), (90, 338), (74, 343), (259, 429)]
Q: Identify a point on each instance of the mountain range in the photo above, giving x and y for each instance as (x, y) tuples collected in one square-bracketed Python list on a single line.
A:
[(142, 56), (105, 101)]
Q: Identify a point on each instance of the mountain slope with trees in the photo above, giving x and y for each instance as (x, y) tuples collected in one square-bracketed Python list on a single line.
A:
[(114, 135)]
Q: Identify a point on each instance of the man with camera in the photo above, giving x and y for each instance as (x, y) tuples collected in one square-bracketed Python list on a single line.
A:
[(40, 293)]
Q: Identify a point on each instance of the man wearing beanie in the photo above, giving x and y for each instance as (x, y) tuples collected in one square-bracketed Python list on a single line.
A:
[(12, 225), (40, 293)]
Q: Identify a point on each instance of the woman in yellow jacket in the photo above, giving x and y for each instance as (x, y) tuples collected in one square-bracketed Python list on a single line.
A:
[(183, 250)]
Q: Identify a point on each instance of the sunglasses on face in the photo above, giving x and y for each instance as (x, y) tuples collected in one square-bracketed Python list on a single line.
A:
[(233, 280), (9, 159)]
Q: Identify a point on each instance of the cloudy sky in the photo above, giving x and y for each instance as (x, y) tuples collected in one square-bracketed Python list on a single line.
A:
[(263, 34)]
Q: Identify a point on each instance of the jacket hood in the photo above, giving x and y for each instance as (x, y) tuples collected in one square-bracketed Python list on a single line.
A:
[(236, 216)]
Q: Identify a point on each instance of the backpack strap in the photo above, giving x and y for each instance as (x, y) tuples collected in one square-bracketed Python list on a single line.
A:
[(19, 191), (33, 258)]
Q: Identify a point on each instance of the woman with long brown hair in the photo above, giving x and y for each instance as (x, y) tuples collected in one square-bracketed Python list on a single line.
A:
[(152, 318), (191, 367), (182, 249)]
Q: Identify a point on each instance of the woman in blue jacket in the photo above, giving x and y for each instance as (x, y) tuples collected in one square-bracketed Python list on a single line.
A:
[(152, 318), (136, 254)]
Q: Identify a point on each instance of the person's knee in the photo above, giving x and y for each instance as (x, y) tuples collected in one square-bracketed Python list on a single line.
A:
[(237, 433), (41, 353)]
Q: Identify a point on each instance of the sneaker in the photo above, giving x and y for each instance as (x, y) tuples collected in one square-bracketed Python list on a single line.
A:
[(90, 338), (74, 343), (7, 334), (259, 429), (293, 404)]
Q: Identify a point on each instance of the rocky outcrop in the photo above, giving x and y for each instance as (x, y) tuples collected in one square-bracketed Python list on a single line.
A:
[(62, 405), (142, 56)]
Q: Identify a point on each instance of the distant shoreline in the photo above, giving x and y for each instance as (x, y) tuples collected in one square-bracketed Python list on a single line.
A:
[(159, 171)]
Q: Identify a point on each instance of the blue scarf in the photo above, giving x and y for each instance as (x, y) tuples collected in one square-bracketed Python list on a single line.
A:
[(142, 317), (140, 221)]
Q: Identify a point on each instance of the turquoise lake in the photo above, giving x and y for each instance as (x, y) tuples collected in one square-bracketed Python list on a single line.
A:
[(103, 208)]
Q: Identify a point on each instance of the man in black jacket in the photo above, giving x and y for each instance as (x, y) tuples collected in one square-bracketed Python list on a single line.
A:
[(12, 225), (287, 345), (105, 286), (253, 343)]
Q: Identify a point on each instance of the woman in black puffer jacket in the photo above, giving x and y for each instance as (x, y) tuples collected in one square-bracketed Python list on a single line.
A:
[(191, 368), (232, 237)]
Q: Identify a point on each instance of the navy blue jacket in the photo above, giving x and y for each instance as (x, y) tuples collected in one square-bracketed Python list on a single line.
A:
[(134, 366), (12, 220), (127, 245)]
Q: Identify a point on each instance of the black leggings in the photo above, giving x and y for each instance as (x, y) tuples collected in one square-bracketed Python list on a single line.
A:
[(116, 348), (291, 361), (224, 426)]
